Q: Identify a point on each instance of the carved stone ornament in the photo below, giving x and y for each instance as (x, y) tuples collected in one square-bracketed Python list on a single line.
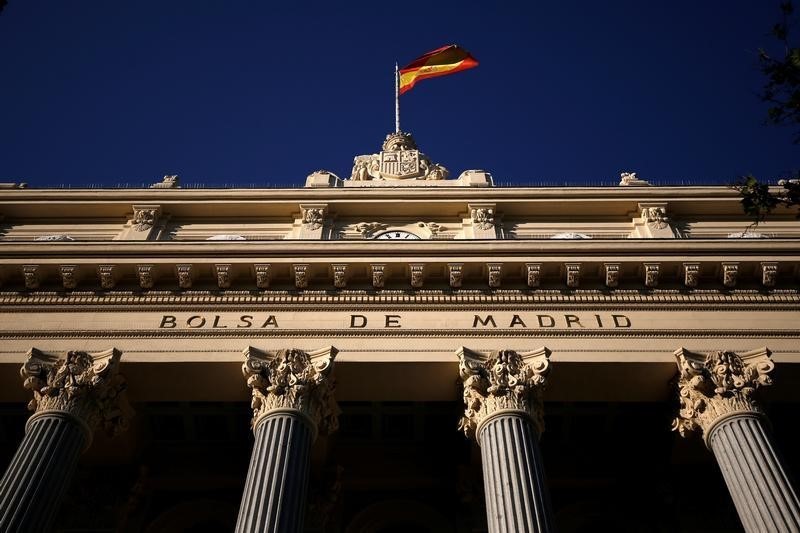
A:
[(54, 238), (718, 385), (433, 227), (296, 380), (501, 381), (769, 274), (612, 274), (417, 275), (144, 217), (368, 229), (263, 275), (106, 275), (655, 217), (495, 274), (168, 182), (145, 275), (399, 159), (86, 385), (378, 276), (31, 275), (69, 278), (301, 276), (628, 179), (184, 273), (223, 276), (339, 276), (482, 217), (573, 274), (730, 271), (456, 274), (312, 217), (691, 274), (651, 273), (533, 274)]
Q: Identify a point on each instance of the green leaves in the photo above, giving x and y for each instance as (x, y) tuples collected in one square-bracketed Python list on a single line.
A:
[(757, 201)]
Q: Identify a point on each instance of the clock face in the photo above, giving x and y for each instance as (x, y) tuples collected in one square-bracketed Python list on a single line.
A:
[(396, 235)]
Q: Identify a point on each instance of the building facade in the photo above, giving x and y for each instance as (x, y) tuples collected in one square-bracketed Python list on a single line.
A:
[(401, 350)]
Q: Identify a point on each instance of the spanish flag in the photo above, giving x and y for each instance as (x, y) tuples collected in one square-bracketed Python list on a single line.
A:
[(440, 62)]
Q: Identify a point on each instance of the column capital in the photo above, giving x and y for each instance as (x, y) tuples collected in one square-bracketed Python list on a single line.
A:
[(86, 386), (718, 385), (502, 381), (293, 380)]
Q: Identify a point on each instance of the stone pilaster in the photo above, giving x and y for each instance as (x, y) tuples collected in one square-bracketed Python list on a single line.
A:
[(71, 397), (716, 400), (503, 412), (292, 400)]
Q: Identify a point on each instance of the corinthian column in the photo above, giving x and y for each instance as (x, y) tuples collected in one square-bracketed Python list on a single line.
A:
[(71, 397), (292, 399), (716, 400), (503, 401)]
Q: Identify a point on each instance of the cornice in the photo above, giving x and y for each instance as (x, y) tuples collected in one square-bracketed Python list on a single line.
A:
[(453, 250), (308, 194), (545, 299)]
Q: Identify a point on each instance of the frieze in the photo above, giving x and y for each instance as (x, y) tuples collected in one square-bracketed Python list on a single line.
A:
[(400, 319)]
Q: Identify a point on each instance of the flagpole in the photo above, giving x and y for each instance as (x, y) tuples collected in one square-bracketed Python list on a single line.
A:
[(396, 99)]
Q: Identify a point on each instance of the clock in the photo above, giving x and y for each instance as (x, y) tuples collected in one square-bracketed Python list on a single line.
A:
[(397, 235)]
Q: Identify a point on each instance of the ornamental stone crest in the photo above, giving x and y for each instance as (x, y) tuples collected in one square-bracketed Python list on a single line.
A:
[(313, 217), (399, 159), (655, 217), (482, 217), (86, 385), (504, 380), (295, 380), (718, 385), (145, 217)]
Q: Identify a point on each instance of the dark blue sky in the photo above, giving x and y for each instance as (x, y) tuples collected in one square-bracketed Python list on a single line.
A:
[(237, 92)]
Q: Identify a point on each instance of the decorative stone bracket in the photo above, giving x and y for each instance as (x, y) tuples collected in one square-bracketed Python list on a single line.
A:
[(652, 222), (293, 380), (483, 220), (88, 386), (718, 385), (312, 220), (502, 381)]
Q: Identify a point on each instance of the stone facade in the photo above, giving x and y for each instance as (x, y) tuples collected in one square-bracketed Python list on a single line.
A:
[(412, 281)]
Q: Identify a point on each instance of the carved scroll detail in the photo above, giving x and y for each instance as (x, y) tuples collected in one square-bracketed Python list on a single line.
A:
[(293, 379), (378, 276), (691, 274), (87, 385), (769, 274), (482, 217), (263, 275), (612, 274), (502, 380), (718, 384), (456, 274), (144, 217), (533, 274)]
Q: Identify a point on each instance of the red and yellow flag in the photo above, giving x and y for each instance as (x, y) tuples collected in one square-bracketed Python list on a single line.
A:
[(440, 62)]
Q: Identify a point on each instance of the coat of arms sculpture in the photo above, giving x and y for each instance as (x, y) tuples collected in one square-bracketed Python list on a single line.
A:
[(399, 159)]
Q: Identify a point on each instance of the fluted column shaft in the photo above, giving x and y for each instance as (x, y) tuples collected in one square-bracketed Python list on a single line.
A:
[(764, 498), (517, 500), (292, 399), (274, 497), (40, 472)]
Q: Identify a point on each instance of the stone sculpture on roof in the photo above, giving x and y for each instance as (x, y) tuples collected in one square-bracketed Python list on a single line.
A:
[(399, 159)]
